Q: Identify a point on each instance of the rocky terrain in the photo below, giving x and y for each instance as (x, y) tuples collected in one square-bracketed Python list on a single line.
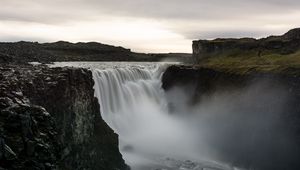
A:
[(49, 119), (255, 76), (65, 51), (266, 53), (270, 148)]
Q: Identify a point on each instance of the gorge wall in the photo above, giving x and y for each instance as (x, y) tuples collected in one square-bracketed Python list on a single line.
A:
[(253, 117), (50, 119), (288, 43)]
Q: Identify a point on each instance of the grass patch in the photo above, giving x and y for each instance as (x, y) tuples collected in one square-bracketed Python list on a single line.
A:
[(251, 61)]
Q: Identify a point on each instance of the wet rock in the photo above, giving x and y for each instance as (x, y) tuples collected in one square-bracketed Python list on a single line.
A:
[(49, 166), (2, 149), (50, 119), (30, 147), (6, 153), (9, 153), (5, 102)]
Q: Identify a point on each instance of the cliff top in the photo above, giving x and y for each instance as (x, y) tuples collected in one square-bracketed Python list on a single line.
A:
[(271, 54), (290, 35)]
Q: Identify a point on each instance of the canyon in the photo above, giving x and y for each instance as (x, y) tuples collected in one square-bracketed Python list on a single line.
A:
[(238, 103), (248, 104)]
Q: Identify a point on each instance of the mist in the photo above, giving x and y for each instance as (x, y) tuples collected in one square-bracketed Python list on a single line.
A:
[(244, 127), (225, 129)]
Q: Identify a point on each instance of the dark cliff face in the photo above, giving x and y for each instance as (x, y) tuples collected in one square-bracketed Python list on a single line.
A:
[(245, 133), (247, 47), (204, 80), (292, 34), (50, 119)]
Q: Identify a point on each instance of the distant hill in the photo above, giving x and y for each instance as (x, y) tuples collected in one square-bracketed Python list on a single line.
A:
[(272, 52), (66, 51)]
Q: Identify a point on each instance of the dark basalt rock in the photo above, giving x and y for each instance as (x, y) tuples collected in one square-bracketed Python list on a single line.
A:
[(28, 133), (286, 44), (50, 119), (201, 83), (5, 58), (292, 34)]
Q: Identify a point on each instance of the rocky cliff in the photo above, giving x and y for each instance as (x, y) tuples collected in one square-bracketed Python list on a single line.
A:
[(245, 133), (50, 120), (284, 45)]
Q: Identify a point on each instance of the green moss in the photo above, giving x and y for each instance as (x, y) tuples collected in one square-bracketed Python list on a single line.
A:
[(252, 61)]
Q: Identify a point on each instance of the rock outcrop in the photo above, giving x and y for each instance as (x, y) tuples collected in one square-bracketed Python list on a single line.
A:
[(292, 34), (50, 119), (272, 147), (286, 44)]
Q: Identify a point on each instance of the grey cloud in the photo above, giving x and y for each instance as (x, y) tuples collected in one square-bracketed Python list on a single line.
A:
[(14, 38), (59, 10), (234, 33), (42, 11), (168, 11), (195, 8)]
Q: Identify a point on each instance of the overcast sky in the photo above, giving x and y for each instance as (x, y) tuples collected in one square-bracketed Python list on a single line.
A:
[(145, 25)]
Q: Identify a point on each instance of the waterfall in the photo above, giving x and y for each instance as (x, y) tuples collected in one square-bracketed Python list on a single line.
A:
[(135, 106), (119, 90)]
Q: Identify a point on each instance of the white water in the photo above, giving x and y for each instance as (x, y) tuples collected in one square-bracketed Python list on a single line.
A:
[(228, 126), (134, 105), (121, 90)]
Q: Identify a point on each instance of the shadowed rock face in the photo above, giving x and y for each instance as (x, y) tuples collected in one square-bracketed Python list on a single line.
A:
[(272, 148), (285, 44), (203, 80), (50, 120), (292, 34)]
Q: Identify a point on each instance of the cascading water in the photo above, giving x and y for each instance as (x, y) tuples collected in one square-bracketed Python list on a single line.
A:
[(241, 127), (120, 90), (134, 105)]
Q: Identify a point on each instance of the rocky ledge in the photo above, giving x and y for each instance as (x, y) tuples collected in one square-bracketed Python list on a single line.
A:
[(285, 45), (50, 119)]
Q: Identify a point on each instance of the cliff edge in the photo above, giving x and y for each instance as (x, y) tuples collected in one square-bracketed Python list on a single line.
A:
[(273, 51), (50, 119), (253, 118)]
